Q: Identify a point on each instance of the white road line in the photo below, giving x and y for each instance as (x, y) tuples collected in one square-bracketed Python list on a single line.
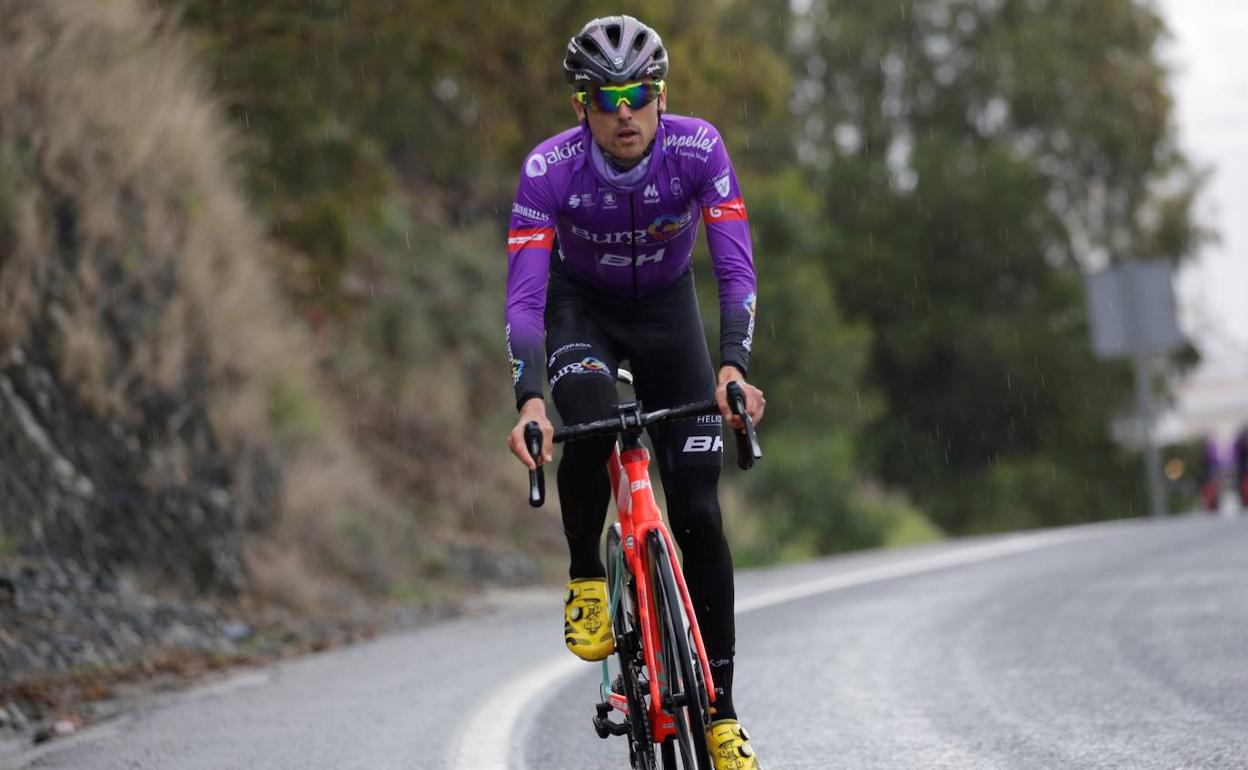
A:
[(969, 555), (488, 741)]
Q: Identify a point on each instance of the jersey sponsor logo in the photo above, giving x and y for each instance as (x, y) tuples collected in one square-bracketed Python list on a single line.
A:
[(574, 201), (661, 229), (677, 190), (587, 199), (668, 225), (609, 200), (651, 194), (525, 211), (699, 143), (723, 185), (517, 366), (539, 162), (696, 444), (733, 210), (709, 419), (624, 260), (535, 166), (526, 237), (565, 348), (609, 238), (751, 305), (587, 365)]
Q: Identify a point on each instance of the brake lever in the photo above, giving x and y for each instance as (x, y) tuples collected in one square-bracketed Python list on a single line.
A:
[(748, 449), (537, 477)]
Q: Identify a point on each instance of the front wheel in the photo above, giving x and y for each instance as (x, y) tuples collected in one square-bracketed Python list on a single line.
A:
[(628, 651), (682, 689)]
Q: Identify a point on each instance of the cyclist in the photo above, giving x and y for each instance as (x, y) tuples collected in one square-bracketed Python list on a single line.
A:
[(1239, 457), (616, 201)]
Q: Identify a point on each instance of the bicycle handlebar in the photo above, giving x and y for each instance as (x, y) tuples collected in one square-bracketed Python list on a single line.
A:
[(748, 449), (633, 421)]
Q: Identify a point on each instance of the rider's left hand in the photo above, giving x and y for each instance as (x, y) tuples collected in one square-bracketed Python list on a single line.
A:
[(754, 401)]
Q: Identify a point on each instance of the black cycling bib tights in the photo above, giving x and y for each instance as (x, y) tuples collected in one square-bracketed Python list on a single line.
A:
[(588, 334)]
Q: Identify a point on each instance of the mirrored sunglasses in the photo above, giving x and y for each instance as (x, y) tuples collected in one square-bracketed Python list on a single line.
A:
[(610, 98)]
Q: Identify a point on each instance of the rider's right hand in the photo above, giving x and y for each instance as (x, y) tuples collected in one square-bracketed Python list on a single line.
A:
[(533, 410)]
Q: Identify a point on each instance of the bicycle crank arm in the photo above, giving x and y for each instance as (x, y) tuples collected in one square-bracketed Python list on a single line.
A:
[(604, 726)]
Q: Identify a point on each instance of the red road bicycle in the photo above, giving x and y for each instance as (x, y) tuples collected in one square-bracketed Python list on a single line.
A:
[(664, 687)]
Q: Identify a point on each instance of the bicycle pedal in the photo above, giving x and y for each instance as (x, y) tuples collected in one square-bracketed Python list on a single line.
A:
[(606, 728)]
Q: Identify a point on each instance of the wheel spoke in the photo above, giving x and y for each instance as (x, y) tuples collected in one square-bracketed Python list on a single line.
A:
[(684, 688), (628, 648)]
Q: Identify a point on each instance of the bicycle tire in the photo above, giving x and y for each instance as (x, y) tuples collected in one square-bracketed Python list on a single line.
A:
[(685, 690), (628, 651)]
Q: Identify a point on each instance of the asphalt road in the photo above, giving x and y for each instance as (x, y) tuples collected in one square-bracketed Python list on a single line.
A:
[(1114, 646)]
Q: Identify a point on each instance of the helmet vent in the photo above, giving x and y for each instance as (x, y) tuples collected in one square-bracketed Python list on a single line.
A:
[(613, 34), (639, 42)]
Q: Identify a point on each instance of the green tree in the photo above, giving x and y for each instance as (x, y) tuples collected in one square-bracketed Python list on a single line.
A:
[(974, 157)]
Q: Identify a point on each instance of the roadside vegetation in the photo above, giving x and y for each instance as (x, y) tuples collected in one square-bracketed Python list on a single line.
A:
[(290, 215)]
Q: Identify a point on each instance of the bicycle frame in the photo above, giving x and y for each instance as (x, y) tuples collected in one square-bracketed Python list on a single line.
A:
[(640, 522), (639, 516)]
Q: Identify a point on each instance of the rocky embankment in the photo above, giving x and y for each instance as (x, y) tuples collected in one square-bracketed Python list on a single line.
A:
[(144, 356), (69, 637), (180, 490), (77, 648)]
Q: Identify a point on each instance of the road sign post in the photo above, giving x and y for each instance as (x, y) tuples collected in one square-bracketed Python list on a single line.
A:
[(1132, 312)]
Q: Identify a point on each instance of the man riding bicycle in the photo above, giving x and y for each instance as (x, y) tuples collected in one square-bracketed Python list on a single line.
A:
[(617, 201)]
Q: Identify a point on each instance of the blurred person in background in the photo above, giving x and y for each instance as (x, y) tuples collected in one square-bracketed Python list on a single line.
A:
[(1209, 474), (617, 200), (1239, 455)]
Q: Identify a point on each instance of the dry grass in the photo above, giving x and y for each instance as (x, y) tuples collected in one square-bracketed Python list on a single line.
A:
[(127, 248)]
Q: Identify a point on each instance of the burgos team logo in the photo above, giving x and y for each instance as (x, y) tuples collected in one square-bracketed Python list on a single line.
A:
[(751, 304), (666, 226), (517, 369), (587, 365)]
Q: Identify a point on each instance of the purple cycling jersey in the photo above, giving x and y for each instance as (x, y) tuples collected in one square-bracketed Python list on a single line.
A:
[(629, 241)]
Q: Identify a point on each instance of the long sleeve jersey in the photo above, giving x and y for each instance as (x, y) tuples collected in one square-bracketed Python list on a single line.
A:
[(628, 242)]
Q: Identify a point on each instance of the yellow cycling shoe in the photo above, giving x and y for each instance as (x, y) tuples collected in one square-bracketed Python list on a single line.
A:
[(730, 746), (586, 619)]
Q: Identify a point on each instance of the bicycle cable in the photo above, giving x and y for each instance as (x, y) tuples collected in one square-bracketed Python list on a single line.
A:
[(613, 606)]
